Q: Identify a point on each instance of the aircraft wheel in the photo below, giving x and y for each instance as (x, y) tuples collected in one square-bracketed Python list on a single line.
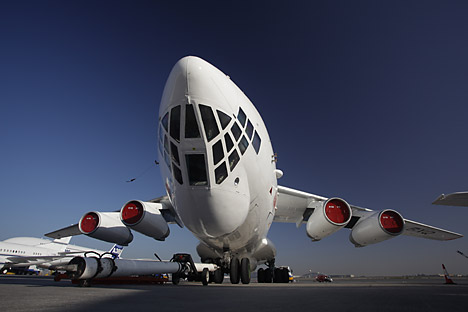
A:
[(285, 275), (268, 276), (261, 276), (277, 276), (175, 279), (245, 270), (205, 277), (218, 276), (234, 271)]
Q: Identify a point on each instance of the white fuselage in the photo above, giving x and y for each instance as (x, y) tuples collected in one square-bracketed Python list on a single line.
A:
[(31, 247), (217, 163)]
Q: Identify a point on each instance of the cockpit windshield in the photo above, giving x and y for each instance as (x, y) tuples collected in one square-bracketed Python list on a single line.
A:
[(196, 168), (209, 122)]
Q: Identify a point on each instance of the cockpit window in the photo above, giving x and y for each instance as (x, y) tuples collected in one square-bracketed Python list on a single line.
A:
[(224, 119), (236, 131), (249, 129), (175, 154), (209, 122), (177, 174), (218, 153), (191, 125), (241, 117), (175, 123), (256, 142), (229, 143), (165, 120), (166, 144), (233, 159), (196, 169), (243, 144), (221, 173)]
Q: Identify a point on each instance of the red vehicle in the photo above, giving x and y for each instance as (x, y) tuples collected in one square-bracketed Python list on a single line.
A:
[(323, 278)]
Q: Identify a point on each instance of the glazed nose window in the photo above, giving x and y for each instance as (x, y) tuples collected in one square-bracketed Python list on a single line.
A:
[(191, 125), (209, 122), (196, 169)]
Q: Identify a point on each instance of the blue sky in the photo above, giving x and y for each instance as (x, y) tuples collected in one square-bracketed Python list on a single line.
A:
[(364, 100)]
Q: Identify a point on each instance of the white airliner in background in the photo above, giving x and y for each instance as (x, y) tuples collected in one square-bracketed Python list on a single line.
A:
[(219, 171), (18, 253)]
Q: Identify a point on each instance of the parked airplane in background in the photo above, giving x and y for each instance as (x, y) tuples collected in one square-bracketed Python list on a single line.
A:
[(220, 175), (453, 199), (18, 253)]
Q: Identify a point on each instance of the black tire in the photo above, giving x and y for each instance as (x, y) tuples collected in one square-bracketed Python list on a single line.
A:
[(234, 271), (261, 276), (268, 276), (277, 276), (175, 279), (285, 276), (245, 271), (205, 277), (218, 276)]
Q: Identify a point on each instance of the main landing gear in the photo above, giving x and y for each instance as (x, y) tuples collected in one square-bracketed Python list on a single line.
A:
[(239, 270), (272, 274)]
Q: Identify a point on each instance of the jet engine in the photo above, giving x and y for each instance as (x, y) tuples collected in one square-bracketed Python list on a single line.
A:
[(146, 218), (327, 218), (105, 226), (380, 226)]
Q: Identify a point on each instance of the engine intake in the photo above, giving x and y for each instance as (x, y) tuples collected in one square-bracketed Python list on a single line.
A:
[(328, 218), (105, 226), (146, 218), (376, 228)]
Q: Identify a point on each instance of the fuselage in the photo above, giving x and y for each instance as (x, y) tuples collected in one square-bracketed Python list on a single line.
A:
[(216, 159)]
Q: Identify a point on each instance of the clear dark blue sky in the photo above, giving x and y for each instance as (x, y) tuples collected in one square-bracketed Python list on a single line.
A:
[(366, 100)]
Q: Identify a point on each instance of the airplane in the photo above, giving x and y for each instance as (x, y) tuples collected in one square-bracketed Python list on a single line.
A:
[(453, 199), (219, 170), (17, 254)]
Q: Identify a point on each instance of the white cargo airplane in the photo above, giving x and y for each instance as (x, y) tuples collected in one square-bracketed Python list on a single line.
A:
[(18, 253), (220, 175)]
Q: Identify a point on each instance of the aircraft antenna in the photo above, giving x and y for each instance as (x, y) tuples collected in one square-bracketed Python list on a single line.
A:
[(144, 172)]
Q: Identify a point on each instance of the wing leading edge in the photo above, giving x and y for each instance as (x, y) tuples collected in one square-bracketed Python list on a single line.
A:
[(294, 206)]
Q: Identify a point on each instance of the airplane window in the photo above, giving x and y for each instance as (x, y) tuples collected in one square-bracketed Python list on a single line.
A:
[(236, 131), (196, 169), (177, 174), (191, 125), (241, 117), (165, 120), (243, 144), (228, 140), (218, 153), (161, 134), (256, 142), (175, 123), (209, 122), (233, 159), (249, 129), (221, 173), (168, 162), (175, 154), (224, 119), (166, 144)]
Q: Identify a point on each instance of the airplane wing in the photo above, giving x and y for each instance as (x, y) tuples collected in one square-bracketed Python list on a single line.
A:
[(453, 199), (168, 213), (295, 206)]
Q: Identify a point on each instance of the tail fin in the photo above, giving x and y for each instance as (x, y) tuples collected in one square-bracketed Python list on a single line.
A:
[(448, 280), (63, 240), (116, 251)]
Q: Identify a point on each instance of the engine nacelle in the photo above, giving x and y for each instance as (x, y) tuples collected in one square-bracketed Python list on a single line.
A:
[(105, 226), (146, 218), (380, 226), (328, 218)]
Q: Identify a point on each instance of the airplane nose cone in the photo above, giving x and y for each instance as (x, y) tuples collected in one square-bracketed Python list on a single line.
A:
[(214, 212)]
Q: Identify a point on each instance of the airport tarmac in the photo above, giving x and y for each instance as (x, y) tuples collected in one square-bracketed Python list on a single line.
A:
[(25, 293)]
